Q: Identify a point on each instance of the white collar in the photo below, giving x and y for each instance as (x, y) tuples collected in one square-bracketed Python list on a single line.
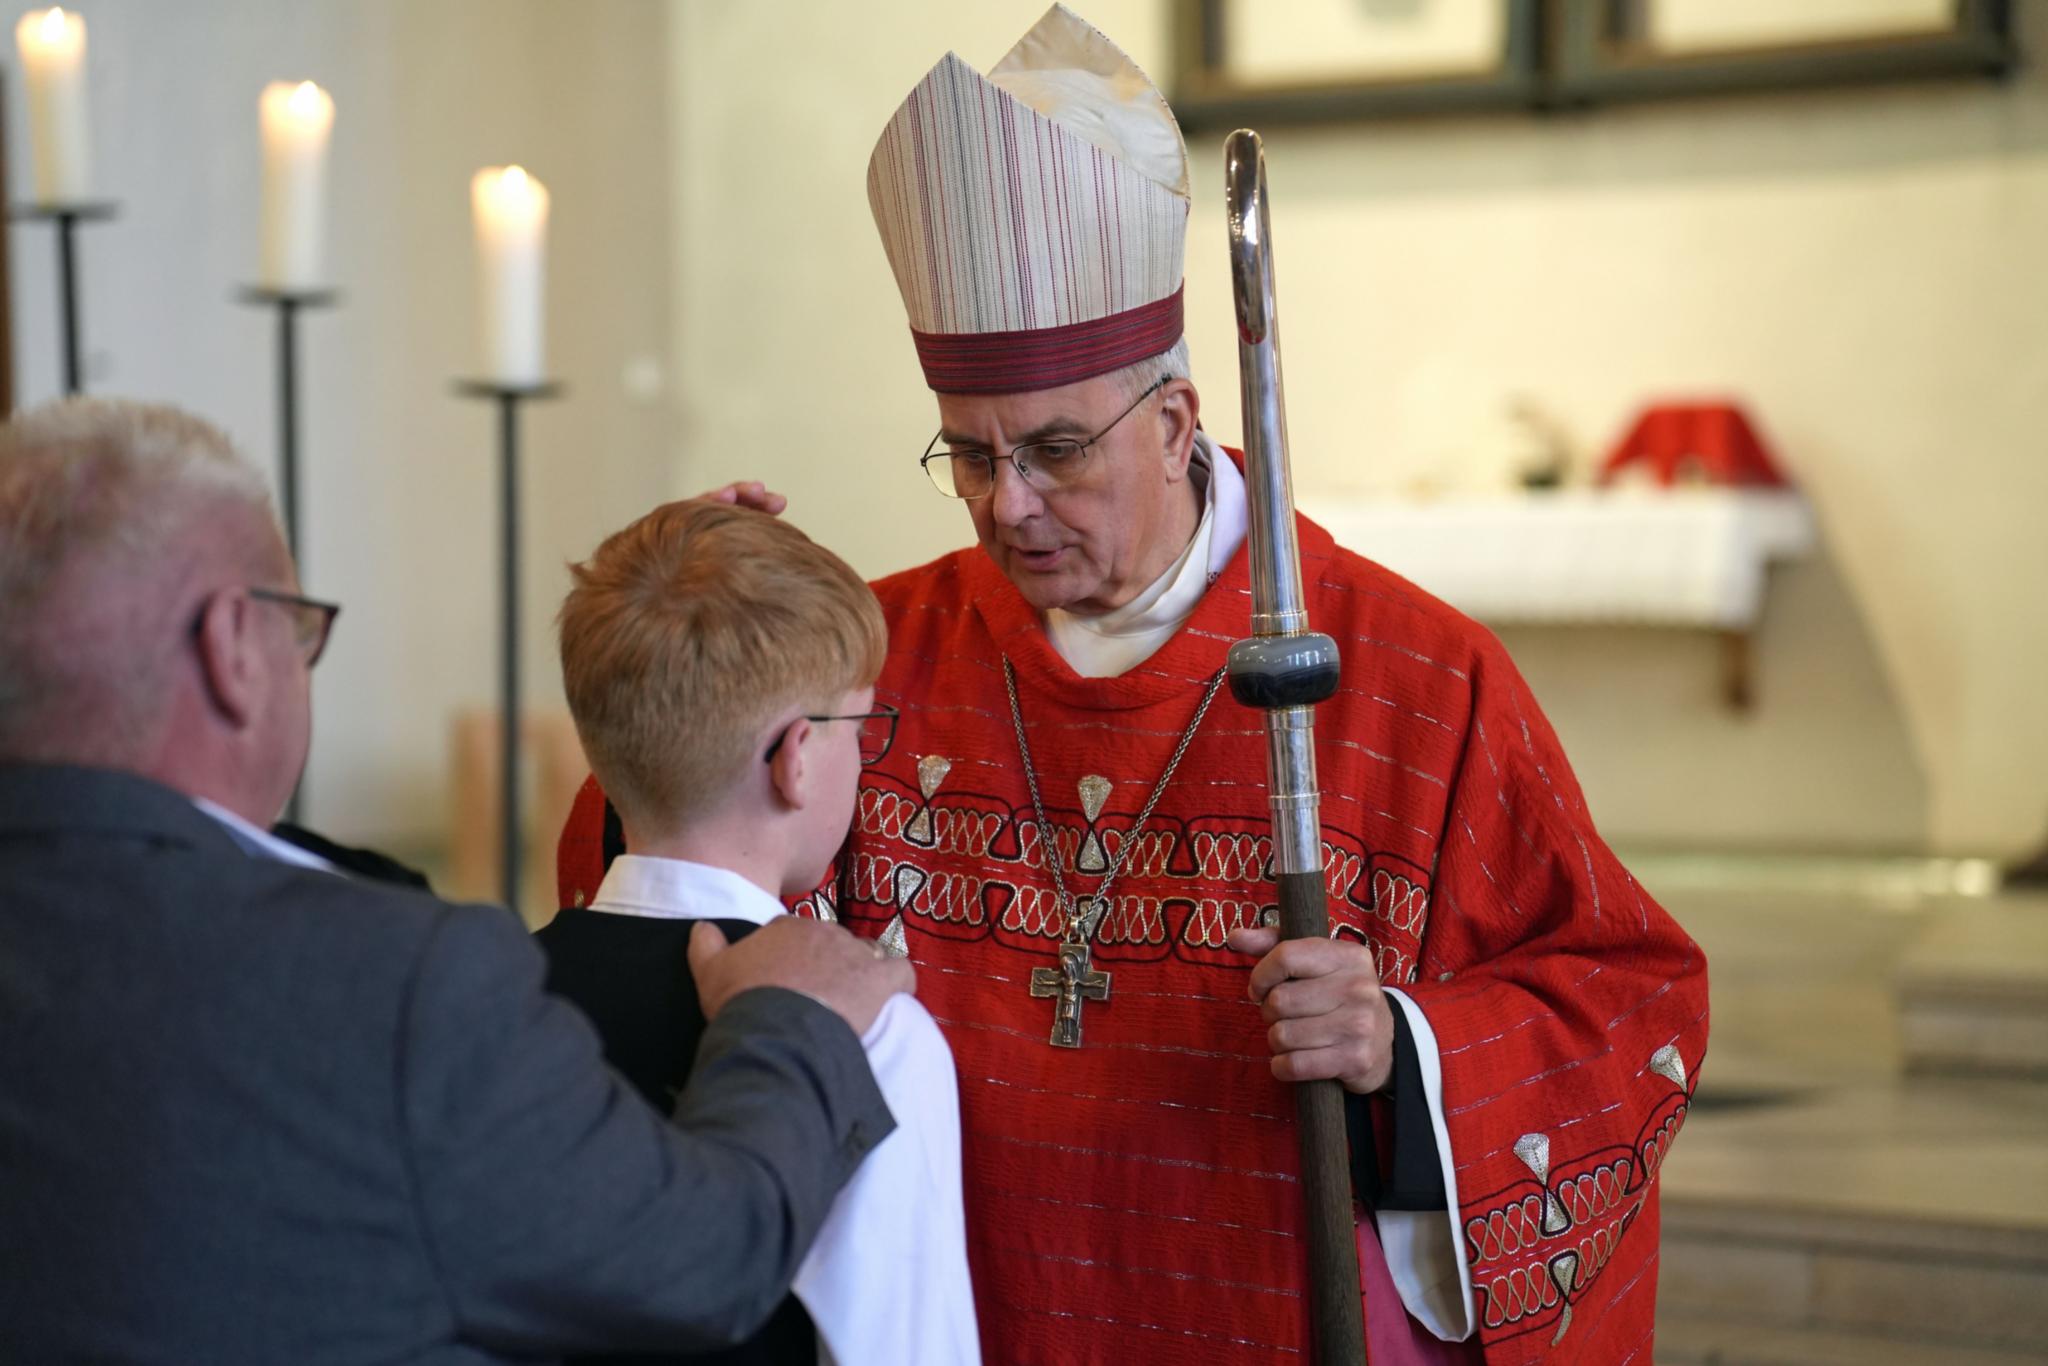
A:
[(260, 843), (1120, 639), (1229, 506), (676, 889)]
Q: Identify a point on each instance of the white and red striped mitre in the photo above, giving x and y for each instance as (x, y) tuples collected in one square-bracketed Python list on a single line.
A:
[(1036, 217)]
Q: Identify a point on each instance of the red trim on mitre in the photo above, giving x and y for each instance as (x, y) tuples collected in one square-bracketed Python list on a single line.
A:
[(1046, 357)]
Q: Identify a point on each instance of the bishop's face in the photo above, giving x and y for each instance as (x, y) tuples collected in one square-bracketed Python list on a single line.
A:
[(1094, 543)]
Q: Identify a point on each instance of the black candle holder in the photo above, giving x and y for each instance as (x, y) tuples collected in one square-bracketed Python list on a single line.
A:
[(508, 397), (67, 216), (289, 303)]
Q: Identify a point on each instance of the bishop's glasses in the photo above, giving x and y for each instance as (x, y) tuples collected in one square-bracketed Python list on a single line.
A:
[(966, 472)]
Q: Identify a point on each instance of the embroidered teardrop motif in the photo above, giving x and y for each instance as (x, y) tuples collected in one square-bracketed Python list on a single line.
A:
[(1666, 1063), (894, 943), (1095, 790), (931, 772)]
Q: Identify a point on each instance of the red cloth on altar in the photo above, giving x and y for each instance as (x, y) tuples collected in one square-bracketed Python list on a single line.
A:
[(1137, 1199), (1716, 439)]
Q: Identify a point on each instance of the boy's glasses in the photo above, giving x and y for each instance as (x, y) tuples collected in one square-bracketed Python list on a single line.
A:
[(877, 733)]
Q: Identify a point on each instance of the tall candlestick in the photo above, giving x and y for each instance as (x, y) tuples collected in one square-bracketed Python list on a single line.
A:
[(297, 120), (52, 46), (511, 240), (508, 398)]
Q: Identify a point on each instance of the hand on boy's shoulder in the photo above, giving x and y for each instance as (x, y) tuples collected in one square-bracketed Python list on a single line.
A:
[(820, 960), (749, 493)]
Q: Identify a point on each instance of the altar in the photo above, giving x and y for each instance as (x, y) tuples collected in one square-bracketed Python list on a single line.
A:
[(1688, 558)]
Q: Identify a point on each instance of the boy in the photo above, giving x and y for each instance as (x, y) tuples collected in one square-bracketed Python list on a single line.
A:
[(720, 669)]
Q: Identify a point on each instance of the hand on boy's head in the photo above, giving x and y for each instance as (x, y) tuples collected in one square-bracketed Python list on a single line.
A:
[(750, 493), (822, 961)]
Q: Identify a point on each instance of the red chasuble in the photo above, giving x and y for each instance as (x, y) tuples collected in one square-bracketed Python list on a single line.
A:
[(1137, 1199)]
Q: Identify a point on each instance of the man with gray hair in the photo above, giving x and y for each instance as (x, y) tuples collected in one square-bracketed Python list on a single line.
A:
[(168, 518), (255, 1111)]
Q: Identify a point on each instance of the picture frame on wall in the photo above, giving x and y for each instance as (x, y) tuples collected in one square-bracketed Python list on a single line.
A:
[(1352, 59), (1261, 62), (1614, 50)]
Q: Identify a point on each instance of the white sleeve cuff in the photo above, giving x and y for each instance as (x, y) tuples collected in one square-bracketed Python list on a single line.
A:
[(1425, 1252)]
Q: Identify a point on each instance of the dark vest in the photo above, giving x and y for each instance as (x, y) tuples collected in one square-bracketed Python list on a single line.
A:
[(631, 976)]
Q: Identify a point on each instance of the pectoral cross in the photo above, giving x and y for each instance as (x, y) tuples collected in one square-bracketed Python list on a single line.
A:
[(1074, 981)]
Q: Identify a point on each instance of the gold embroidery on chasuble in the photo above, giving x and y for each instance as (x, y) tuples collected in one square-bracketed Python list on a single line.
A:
[(965, 864), (1536, 1250)]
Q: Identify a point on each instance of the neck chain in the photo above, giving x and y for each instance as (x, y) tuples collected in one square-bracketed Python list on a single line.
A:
[(1076, 980)]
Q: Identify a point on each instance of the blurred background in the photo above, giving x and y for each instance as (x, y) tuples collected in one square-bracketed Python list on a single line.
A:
[(1794, 644)]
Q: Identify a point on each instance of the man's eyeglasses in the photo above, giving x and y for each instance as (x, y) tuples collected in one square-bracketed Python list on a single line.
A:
[(1044, 465), (877, 733), (312, 619)]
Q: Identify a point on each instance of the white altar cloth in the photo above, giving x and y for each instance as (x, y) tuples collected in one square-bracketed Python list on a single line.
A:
[(1684, 557)]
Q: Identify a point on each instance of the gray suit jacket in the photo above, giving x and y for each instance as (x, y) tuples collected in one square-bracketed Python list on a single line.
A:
[(250, 1113)]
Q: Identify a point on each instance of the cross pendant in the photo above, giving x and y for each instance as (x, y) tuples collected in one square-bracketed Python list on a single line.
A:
[(1074, 981)]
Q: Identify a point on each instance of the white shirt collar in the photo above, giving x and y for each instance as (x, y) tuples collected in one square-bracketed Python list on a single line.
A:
[(1119, 640), (260, 843), (1229, 505), (676, 889)]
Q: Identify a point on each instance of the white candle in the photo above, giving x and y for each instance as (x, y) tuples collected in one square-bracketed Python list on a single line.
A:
[(511, 246), (52, 46), (297, 120)]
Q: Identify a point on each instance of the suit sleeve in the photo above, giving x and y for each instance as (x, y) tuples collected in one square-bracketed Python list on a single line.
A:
[(562, 1213)]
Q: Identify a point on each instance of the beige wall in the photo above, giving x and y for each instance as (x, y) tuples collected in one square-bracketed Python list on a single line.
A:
[(1864, 267), (400, 476)]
